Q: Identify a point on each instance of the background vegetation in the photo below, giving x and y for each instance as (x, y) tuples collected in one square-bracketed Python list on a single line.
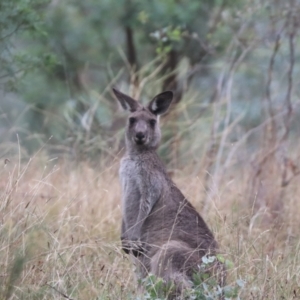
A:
[(230, 140)]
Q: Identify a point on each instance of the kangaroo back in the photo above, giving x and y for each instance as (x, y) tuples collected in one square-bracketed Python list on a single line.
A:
[(159, 226)]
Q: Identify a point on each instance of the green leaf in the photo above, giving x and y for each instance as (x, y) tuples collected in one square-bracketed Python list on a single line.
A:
[(241, 283), (229, 264), (220, 258)]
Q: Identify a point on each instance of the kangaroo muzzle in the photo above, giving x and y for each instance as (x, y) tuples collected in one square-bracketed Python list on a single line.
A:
[(140, 138)]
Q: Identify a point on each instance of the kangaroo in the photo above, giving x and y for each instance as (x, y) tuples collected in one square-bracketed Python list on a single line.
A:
[(160, 227)]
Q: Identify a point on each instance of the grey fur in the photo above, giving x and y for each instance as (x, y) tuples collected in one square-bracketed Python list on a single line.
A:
[(159, 226)]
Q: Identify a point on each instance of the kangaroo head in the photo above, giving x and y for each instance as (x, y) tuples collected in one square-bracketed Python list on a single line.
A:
[(142, 131)]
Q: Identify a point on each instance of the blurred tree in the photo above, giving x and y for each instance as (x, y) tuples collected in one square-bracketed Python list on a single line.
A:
[(18, 16), (91, 32), (73, 47), (83, 48)]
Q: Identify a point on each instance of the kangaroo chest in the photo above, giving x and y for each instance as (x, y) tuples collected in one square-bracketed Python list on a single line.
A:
[(140, 183)]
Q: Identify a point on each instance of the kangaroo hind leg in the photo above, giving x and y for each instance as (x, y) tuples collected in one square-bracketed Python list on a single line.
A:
[(174, 262)]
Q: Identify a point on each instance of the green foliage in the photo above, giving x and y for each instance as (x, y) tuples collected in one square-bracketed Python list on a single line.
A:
[(16, 17), (156, 288), (61, 58), (15, 273), (204, 286), (167, 38), (207, 288), (73, 47)]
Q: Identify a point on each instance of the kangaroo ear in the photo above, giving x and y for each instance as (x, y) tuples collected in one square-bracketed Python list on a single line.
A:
[(126, 102), (161, 103)]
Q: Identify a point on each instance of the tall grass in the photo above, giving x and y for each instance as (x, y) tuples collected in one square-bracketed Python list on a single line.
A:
[(60, 223)]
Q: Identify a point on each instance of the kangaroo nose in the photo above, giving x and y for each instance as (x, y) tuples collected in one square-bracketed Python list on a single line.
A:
[(140, 135), (140, 138)]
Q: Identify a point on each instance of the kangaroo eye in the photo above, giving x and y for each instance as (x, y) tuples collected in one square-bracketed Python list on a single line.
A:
[(132, 121), (152, 122)]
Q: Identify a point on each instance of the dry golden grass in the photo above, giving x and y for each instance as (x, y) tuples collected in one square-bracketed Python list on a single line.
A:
[(60, 223)]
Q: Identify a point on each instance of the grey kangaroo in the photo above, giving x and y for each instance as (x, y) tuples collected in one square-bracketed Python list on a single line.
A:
[(159, 226)]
